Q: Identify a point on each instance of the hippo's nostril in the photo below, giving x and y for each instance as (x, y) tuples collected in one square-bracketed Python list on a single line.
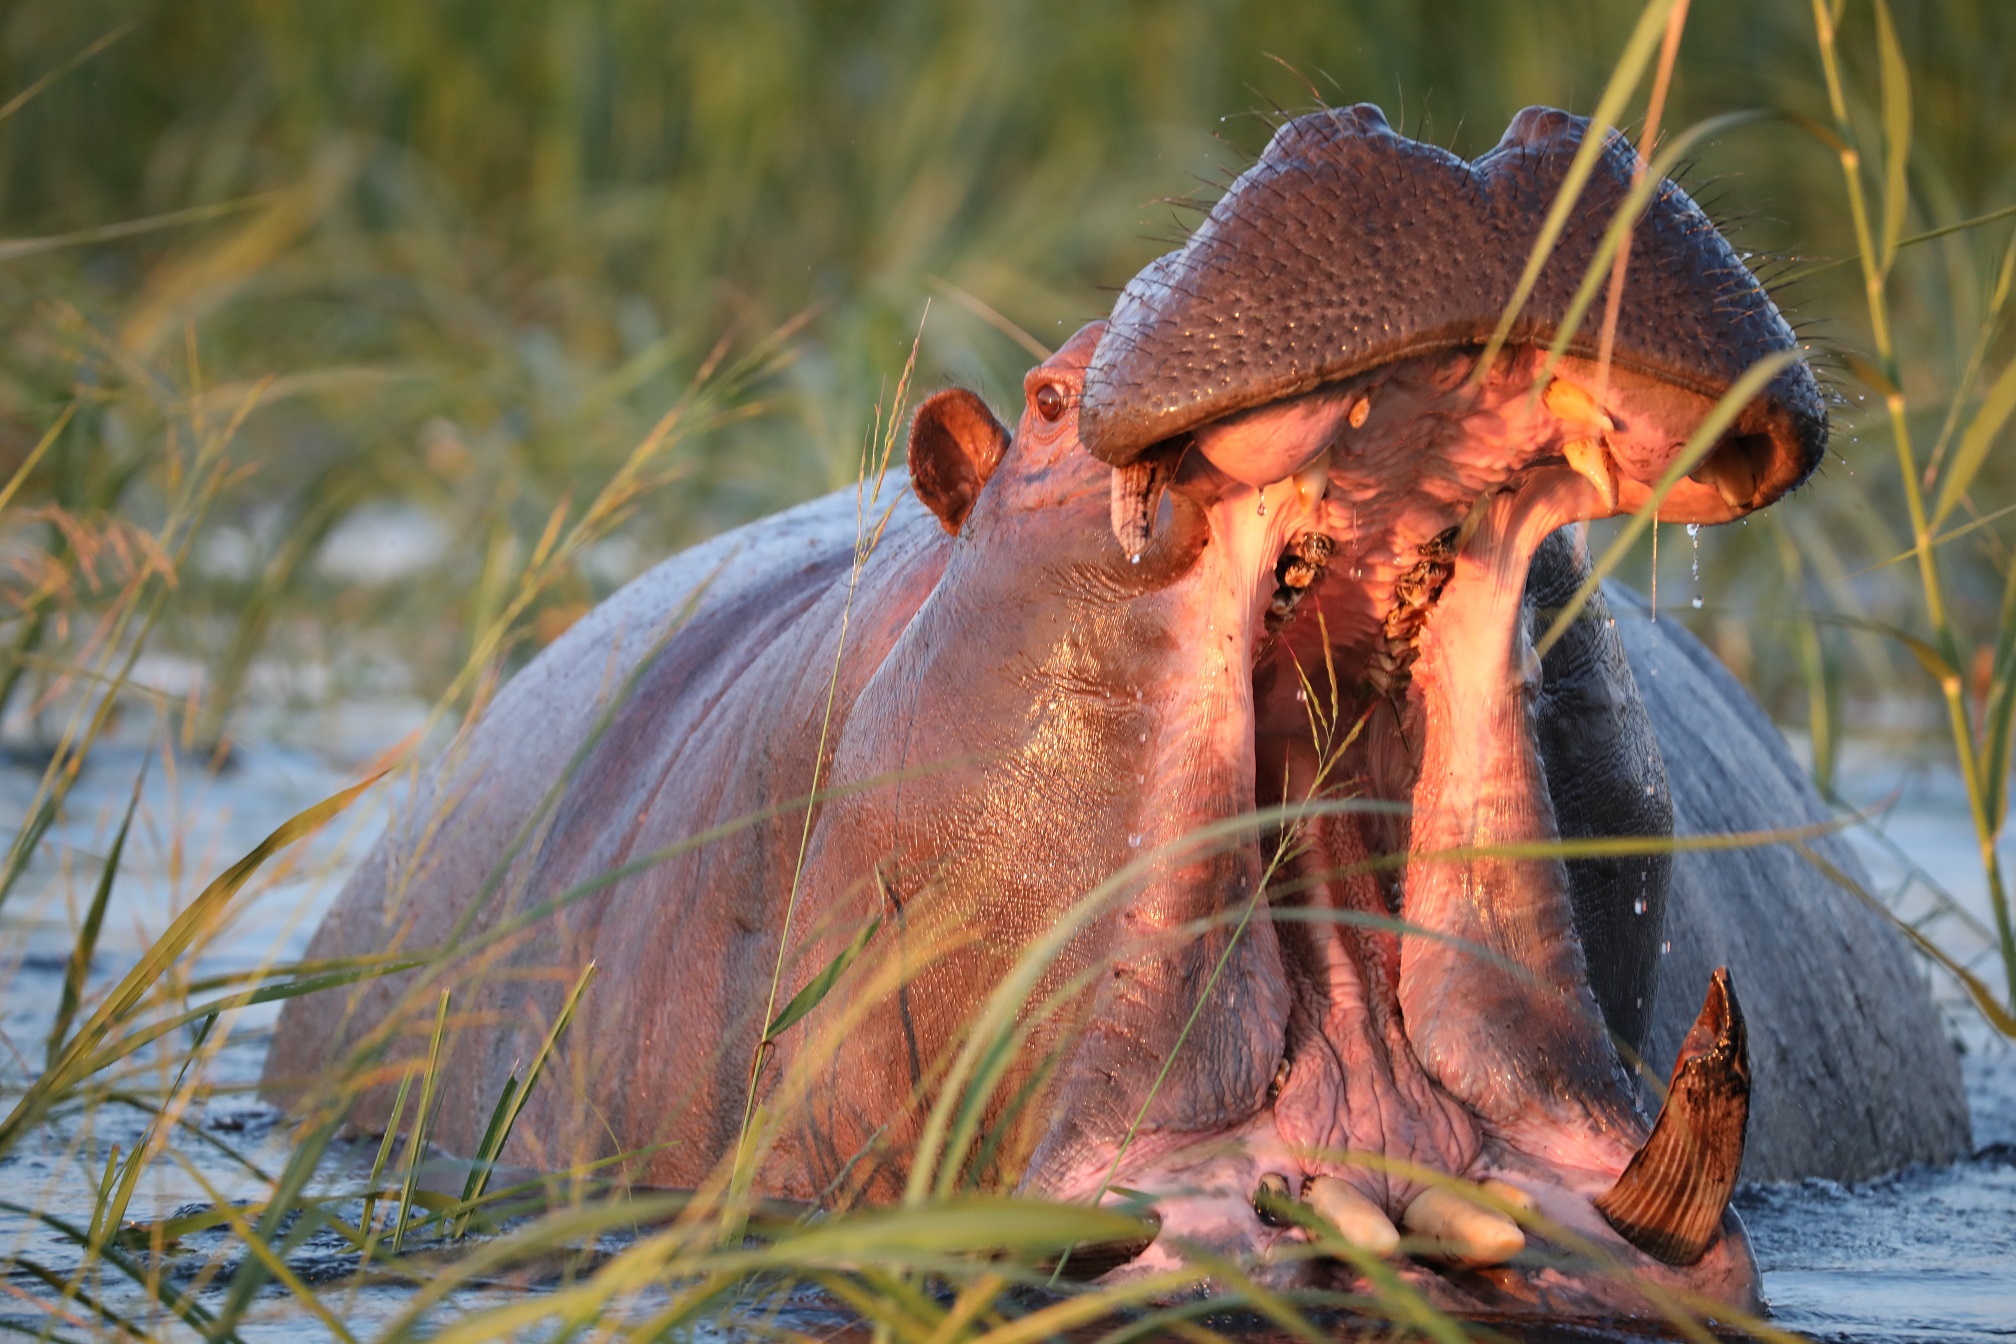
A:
[(1539, 127)]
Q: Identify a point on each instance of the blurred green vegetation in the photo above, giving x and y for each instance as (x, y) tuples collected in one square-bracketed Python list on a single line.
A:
[(480, 248)]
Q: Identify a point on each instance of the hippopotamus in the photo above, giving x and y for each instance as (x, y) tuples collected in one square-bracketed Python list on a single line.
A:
[(1180, 790)]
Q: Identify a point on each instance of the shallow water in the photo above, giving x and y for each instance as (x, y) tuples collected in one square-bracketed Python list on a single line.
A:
[(1926, 1254)]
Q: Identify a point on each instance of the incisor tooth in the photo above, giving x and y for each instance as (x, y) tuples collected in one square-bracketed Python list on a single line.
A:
[(1461, 1232), (1592, 461), (1510, 1193), (1359, 410), (1271, 1198), (1575, 406), (1357, 1219)]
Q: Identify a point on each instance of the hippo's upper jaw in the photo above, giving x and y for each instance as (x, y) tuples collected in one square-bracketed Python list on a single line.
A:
[(1347, 248), (1317, 344)]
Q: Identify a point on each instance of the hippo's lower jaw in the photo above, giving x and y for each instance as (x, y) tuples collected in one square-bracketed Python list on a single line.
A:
[(1446, 1089), (1515, 1230)]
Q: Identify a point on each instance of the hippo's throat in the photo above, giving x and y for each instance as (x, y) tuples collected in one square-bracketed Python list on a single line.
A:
[(1416, 953), (1457, 970)]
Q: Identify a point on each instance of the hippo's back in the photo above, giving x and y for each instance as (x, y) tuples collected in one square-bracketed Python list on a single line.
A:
[(1852, 1072), (686, 703)]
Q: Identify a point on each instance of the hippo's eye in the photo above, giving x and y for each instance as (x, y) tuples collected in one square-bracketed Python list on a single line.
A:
[(1050, 401)]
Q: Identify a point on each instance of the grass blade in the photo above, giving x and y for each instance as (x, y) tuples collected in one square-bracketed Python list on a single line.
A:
[(416, 1143), (1984, 998), (79, 968), (1624, 77), (512, 1101), (385, 1142), (819, 986), (1995, 411), (1895, 79)]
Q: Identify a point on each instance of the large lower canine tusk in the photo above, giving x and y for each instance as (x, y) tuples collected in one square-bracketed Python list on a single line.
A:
[(1137, 493), (1669, 1201)]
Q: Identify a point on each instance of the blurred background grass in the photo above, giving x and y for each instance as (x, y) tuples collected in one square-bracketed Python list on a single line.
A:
[(480, 248)]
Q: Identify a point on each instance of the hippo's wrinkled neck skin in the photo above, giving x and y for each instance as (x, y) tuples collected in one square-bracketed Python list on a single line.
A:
[(1066, 710)]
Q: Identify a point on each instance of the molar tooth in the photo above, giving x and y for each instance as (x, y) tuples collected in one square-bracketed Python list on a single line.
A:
[(1573, 404), (1357, 1219), (1592, 461), (1137, 493), (1461, 1232)]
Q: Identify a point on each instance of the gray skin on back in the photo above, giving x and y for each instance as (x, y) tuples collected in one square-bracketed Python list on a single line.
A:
[(1644, 732)]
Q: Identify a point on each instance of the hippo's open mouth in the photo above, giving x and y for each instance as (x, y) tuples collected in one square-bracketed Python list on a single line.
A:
[(1447, 1075)]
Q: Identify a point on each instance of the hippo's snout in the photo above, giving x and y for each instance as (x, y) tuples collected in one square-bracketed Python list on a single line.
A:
[(1347, 247)]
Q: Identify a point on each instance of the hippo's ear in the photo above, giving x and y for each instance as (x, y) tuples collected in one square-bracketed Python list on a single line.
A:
[(955, 443)]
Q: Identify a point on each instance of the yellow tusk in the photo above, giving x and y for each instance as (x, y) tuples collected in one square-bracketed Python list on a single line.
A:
[(1592, 461), (1574, 406)]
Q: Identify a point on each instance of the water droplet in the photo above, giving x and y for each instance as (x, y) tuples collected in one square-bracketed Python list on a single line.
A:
[(1694, 539), (1665, 947), (1133, 559), (1301, 695), (1144, 735), (1648, 788), (1638, 906), (1133, 842)]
